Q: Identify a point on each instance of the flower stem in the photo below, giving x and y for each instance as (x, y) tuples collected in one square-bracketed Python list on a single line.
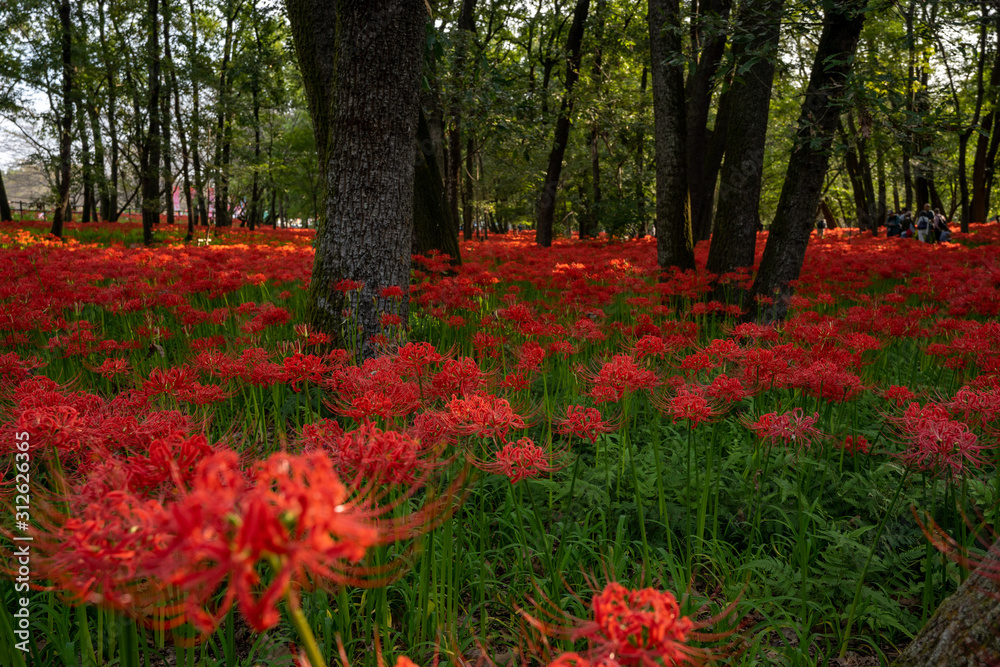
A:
[(304, 631)]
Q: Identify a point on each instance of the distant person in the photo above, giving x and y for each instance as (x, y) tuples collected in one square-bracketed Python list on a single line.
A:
[(924, 221), (892, 226), (821, 227), (906, 225)]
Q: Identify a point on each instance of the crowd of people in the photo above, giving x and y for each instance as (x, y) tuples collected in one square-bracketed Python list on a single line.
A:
[(929, 226)]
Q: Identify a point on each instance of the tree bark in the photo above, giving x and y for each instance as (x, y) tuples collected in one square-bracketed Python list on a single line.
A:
[(182, 135), (109, 206), (453, 179), (5, 214), (965, 629), (978, 211), (150, 157), (168, 169), (674, 240), (735, 238), (433, 228), (224, 138), (640, 159), (700, 86), (66, 120), (366, 236), (591, 220), (800, 194), (545, 206)]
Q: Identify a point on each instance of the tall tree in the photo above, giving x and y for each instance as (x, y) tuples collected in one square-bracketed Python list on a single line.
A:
[(674, 241), (66, 119), (800, 193), (708, 43), (755, 44), (463, 35), (545, 207), (150, 157), (361, 65)]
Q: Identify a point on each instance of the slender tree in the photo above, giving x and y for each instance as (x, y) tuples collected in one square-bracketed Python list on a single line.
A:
[(800, 193), (66, 120), (150, 158), (674, 241), (545, 207)]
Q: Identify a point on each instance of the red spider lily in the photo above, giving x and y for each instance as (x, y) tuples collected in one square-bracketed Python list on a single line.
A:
[(346, 286), (586, 423), (936, 442), (300, 368), (458, 377), (690, 403), (482, 415), (856, 444), (792, 427), (520, 460), (619, 377), (321, 433), (899, 395), (726, 389), (381, 456), (391, 292), (111, 367), (633, 628), (414, 358)]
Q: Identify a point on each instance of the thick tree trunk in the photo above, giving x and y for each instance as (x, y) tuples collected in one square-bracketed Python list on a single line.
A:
[(545, 207), (66, 120), (5, 214), (965, 629), (988, 129), (150, 160), (735, 237), (590, 222), (674, 241), (700, 85), (800, 194), (366, 237), (433, 228)]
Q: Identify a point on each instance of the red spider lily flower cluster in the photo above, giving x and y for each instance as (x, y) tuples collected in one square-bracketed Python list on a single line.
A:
[(789, 428), (520, 460), (582, 422), (633, 628), (619, 377), (936, 442)]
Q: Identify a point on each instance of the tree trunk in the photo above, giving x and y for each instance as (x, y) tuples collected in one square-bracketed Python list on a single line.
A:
[(640, 160), (700, 85), (150, 158), (224, 140), (433, 228), (109, 207), (66, 120), (589, 223), (453, 178), (674, 241), (545, 206), (988, 129), (468, 192), (800, 194), (376, 49), (86, 171), (182, 135), (168, 169), (735, 238), (965, 629), (5, 214)]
